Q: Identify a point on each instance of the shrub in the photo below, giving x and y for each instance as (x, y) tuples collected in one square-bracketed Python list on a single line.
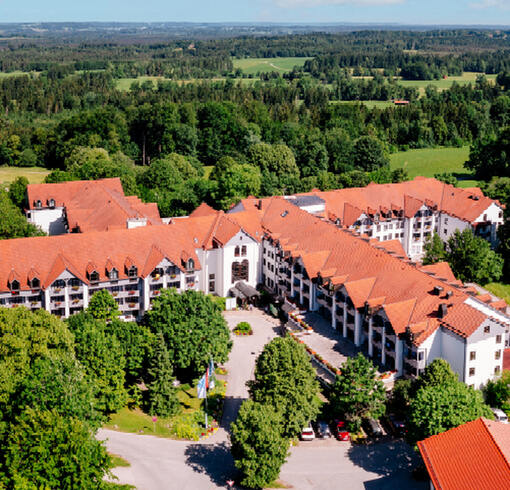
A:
[(243, 328)]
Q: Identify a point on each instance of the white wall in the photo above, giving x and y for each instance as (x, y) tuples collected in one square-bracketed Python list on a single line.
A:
[(454, 350), (51, 221)]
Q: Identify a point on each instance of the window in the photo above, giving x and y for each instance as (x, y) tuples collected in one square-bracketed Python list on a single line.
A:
[(498, 339), (191, 265), (446, 221), (113, 274), (212, 286), (420, 355), (14, 285), (497, 355), (240, 271), (236, 252), (497, 369), (190, 281), (472, 355), (487, 329), (94, 276), (38, 204), (35, 283), (243, 251), (471, 371), (133, 271), (51, 203), (59, 284), (445, 231)]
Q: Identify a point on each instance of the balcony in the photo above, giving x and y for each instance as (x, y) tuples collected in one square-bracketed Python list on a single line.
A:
[(76, 289), (35, 305), (155, 293)]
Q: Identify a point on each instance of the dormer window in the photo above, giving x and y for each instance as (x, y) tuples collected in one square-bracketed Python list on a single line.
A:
[(190, 265), (35, 283), (51, 203), (38, 204), (113, 274), (132, 271), (14, 285), (94, 276)]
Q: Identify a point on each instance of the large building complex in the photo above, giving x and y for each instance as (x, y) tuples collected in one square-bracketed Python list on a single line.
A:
[(402, 315), (409, 212), (87, 205)]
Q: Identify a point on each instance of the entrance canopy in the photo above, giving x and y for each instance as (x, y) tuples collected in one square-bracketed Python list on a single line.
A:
[(244, 292)]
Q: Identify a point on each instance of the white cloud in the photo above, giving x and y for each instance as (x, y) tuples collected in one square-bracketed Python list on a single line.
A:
[(316, 3), (486, 4)]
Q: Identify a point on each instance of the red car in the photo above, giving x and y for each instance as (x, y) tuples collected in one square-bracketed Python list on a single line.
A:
[(341, 433)]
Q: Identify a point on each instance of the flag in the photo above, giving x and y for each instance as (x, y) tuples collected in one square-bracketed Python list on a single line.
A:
[(210, 370), (201, 387)]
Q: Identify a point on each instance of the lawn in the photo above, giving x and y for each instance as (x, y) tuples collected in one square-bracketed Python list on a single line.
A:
[(188, 424), (14, 74), (35, 175), (430, 161), (443, 84), (500, 290), (261, 65), (124, 84)]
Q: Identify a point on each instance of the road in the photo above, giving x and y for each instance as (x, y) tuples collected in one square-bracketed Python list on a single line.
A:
[(158, 463)]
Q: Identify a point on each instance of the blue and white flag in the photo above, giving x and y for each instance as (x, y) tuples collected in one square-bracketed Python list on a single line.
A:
[(211, 375), (201, 387)]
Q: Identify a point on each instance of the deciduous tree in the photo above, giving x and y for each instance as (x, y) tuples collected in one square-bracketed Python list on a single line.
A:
[(258, 446)]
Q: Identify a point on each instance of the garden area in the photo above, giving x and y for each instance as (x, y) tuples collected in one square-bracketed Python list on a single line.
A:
[(189, 423)]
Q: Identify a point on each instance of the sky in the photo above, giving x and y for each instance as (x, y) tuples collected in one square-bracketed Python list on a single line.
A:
[(432, 12)]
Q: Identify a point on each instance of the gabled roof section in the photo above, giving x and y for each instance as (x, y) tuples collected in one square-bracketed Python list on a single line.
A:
[(473, 455), (153, 259), (60, 265), (463, 319), (203, 210), (399, 314), (351, 214), (359, 291), (411, 206), (441, 270)]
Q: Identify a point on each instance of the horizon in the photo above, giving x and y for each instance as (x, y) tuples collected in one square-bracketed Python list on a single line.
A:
[(468, 13)]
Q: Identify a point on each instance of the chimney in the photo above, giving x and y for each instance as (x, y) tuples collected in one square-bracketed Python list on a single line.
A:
[(259, 204), (443, 310), (449, 294), (438, 290)]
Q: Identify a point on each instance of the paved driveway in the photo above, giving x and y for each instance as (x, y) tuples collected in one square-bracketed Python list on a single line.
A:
[(158, 463)]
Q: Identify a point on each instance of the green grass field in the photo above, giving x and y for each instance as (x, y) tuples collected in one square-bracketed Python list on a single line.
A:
[(256, 65), (14, 74), (35, 175), (430, 161), (124, 84), (500, 290), (467, 77)]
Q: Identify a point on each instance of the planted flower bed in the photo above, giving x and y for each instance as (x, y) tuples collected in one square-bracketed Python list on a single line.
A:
[(243, 328)]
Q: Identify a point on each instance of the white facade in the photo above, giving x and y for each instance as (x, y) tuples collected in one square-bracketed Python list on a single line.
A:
[(50, 220)]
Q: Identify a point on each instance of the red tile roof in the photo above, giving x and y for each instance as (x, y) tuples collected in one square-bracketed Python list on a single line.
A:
[(475, 455), (441, 270), (94, 205), (465, 204)]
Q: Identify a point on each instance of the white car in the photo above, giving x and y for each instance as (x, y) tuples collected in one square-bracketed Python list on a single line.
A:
[(499, 415), (307, 434)]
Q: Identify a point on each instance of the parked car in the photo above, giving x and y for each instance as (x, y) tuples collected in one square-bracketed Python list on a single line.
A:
[(322, 429), (307, 434), (341, 432), (372, 427), (499, 415), (398, 426)]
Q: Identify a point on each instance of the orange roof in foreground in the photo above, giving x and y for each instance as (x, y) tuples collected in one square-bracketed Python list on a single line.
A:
[(475, 455), (94, 205)]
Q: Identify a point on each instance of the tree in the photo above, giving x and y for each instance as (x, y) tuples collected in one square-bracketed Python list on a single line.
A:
[(286, 380), (488, 155), (434, 250), (46, 450), (439, 407), (237, 182), (18, 192), (438, 372), (136, 343), (497, 393), (258, 446), (101, 355), (102, 306), (193, 328), (161, 396), (13, 224), (472, 259), (369, 154), (357, 393)]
